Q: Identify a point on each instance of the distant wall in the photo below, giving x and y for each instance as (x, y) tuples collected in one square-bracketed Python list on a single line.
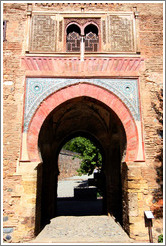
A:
[(68, 165)]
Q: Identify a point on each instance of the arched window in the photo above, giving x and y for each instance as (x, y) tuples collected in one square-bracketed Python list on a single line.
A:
[(73, 38), (91, 38)]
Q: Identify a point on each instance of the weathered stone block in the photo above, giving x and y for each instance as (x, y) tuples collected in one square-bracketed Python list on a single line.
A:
[(133, 204), (5, 218)]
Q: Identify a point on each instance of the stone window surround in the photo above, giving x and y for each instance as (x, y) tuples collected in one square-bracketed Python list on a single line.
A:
[(101, 15)]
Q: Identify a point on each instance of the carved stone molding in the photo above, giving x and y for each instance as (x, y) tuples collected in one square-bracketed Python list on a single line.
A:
[(91, 66)]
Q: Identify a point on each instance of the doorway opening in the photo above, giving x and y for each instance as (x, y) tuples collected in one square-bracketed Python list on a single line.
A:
[(81, 183), (80, 117)]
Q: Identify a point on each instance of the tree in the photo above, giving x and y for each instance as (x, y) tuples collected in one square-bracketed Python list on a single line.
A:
[(89, 154)]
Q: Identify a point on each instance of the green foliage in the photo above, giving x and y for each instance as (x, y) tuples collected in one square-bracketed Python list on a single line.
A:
[(160, 238), (88, 153), (99, 193)]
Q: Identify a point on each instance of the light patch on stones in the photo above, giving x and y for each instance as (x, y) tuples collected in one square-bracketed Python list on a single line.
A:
[(8, 83)]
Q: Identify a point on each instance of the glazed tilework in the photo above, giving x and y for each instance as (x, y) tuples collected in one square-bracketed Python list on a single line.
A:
[(38, 89)]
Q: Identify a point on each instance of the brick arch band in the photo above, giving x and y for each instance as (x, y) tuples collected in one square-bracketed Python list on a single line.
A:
[(78, 90)]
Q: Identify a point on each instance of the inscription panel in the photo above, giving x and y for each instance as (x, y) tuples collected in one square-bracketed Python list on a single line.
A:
[(121, 36), (43, 33)]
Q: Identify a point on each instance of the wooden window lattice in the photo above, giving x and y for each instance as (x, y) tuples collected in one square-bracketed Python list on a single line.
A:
[(73, 42), (91, 42), (74, 39)]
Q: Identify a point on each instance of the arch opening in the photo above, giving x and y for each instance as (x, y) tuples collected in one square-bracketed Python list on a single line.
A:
[(73, 38), (87, 117), (91, 28), (91, 38), (73, 28), (81, 184)]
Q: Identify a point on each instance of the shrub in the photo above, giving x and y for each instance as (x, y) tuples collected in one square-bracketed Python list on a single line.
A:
[(160, 238)]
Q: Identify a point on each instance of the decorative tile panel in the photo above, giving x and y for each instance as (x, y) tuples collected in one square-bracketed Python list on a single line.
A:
[(38, 89), (121, 36), (43, 33)]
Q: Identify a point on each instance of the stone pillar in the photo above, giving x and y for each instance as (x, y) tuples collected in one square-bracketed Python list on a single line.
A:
[(25, 210), (136, 29), (29, 13), (82, 49), (134, 198)]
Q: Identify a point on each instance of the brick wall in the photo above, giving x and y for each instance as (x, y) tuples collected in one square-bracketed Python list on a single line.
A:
[(68, 164), (13, 95), (150, 81)]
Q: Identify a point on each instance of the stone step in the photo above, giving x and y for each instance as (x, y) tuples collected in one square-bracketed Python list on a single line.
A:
[(85, 193)]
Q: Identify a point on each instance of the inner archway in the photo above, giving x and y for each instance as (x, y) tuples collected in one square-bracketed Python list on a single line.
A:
[(81, 183), (96, 120)]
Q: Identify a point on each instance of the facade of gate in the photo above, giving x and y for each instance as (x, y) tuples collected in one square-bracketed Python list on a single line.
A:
[(94, 69)]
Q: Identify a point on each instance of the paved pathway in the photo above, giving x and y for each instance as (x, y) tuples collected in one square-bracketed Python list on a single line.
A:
[(82, 229), (80, 221), (66, 186)]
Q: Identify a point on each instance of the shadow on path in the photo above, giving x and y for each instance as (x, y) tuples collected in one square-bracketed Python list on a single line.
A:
[(72, 207)]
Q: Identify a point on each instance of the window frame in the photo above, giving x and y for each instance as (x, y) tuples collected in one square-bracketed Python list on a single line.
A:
[(4, 30), (82, 28)]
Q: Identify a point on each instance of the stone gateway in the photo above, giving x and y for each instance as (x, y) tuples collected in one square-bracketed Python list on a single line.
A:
[(82, 69)]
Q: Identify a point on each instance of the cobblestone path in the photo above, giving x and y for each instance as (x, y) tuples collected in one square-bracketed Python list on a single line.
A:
[(80, 221), (83, 229)]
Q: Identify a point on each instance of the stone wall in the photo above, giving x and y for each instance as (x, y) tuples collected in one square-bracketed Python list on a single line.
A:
[(13, 96), (141, 185), (68, 164)]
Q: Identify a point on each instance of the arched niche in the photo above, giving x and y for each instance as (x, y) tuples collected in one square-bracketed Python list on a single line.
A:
[(73, 33)]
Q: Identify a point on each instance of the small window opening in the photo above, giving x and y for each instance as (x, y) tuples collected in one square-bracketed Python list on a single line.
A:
[(91, 38), (73, 38), (4, 30)]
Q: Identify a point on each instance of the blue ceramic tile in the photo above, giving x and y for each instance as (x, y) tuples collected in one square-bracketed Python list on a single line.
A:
[(38, 89)]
